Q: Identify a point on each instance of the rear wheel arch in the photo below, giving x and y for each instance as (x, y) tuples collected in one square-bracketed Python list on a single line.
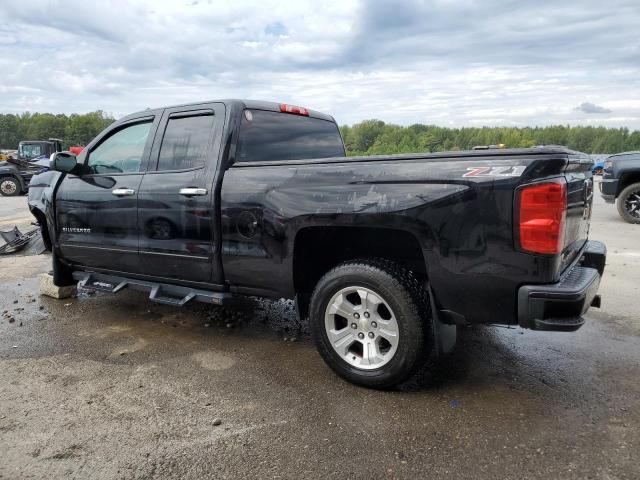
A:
[(627, 179), (318, 249)]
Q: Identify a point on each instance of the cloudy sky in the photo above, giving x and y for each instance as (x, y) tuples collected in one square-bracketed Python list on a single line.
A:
[(451, 63)]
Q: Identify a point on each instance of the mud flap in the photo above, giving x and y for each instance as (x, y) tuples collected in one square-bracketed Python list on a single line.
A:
[(301, 302), (445, 335)]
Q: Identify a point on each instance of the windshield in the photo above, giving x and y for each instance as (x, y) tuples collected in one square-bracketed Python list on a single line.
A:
[(30, 150)]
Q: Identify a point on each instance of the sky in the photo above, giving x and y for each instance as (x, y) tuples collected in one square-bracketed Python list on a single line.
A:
[(450, 63)]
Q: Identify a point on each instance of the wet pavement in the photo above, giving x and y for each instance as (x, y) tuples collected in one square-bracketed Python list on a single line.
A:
[(104, 386), (14, 211)]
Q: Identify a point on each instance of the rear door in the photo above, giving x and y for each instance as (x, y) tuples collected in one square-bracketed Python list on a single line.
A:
[(253, 221), (97, 217), (177, 200)]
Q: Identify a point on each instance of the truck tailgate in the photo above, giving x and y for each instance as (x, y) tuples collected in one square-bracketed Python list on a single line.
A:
[(579, 205)]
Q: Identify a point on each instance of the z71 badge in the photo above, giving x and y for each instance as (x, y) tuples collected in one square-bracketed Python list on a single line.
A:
[(514, 171)]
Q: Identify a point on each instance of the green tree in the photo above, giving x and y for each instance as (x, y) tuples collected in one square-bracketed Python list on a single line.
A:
[(10, 131), (364, 134), (81, 129), (372, 137), (77, 129)]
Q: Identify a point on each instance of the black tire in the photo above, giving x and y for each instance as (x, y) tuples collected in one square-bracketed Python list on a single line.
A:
[(407, 299), (626, 203), (10, 187)]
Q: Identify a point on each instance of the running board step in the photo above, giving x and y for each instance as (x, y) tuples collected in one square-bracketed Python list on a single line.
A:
[(158, 292)]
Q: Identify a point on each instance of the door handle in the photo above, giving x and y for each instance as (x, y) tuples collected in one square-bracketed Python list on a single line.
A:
[(123, 192), (190, 192)]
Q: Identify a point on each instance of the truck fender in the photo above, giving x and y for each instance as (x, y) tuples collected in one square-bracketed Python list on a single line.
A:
[(41, 200)]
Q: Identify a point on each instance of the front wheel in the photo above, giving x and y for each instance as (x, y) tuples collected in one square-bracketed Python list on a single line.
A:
[(629, 203), (371, 322), (10, 187)]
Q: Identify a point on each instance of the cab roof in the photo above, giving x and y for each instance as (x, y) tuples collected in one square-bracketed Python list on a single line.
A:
[(241, 104)]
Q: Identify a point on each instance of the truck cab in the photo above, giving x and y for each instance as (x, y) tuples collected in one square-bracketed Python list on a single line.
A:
[(30, 149), (32, 155)]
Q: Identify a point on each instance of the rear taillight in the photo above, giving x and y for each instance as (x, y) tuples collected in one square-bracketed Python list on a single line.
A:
[(542, 216), (284, 108)]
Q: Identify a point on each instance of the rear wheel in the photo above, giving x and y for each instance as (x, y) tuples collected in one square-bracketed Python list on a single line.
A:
[(629, 203), (10, 187), (371, 323)]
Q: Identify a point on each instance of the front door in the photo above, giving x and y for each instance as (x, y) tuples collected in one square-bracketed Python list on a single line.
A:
[(96, 210), (176, 218)]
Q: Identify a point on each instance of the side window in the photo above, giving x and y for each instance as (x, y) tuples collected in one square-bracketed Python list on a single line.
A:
[(185, 142), (122, 151)]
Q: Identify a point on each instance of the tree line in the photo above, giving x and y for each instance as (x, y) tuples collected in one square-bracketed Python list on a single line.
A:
[(375, 137), (369, 137), (74, 129)]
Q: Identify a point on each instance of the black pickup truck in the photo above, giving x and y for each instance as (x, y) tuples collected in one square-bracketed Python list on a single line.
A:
[(385, 255), (621, 183)]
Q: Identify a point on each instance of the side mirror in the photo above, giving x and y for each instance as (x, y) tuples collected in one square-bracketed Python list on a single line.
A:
[(62, 161)]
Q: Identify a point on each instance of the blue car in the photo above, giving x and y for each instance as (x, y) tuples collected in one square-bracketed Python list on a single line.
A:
[(598, 168)]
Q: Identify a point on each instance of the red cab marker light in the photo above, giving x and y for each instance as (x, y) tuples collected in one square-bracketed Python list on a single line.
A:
[(284, 108), (543, 210)]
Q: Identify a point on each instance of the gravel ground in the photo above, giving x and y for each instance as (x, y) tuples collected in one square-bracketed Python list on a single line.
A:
[(104, 386)]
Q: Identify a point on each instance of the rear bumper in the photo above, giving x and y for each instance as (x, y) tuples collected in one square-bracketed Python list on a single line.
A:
[(608, 189), (561, 306)]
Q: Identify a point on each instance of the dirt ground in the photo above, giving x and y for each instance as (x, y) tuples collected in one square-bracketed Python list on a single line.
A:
[(105, 386)]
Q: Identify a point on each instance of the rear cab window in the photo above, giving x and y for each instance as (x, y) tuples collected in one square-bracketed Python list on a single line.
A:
[(273, 136), (186, 141)]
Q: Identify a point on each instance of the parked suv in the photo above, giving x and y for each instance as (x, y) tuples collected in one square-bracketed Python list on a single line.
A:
[(385, 255)]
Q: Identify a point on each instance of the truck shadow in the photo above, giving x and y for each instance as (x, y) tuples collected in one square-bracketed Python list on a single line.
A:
[(484, 357), (477, 349), (571, 370)]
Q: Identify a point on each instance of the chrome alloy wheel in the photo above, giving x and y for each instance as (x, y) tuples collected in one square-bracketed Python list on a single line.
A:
[(8, 187), (361, 327)]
